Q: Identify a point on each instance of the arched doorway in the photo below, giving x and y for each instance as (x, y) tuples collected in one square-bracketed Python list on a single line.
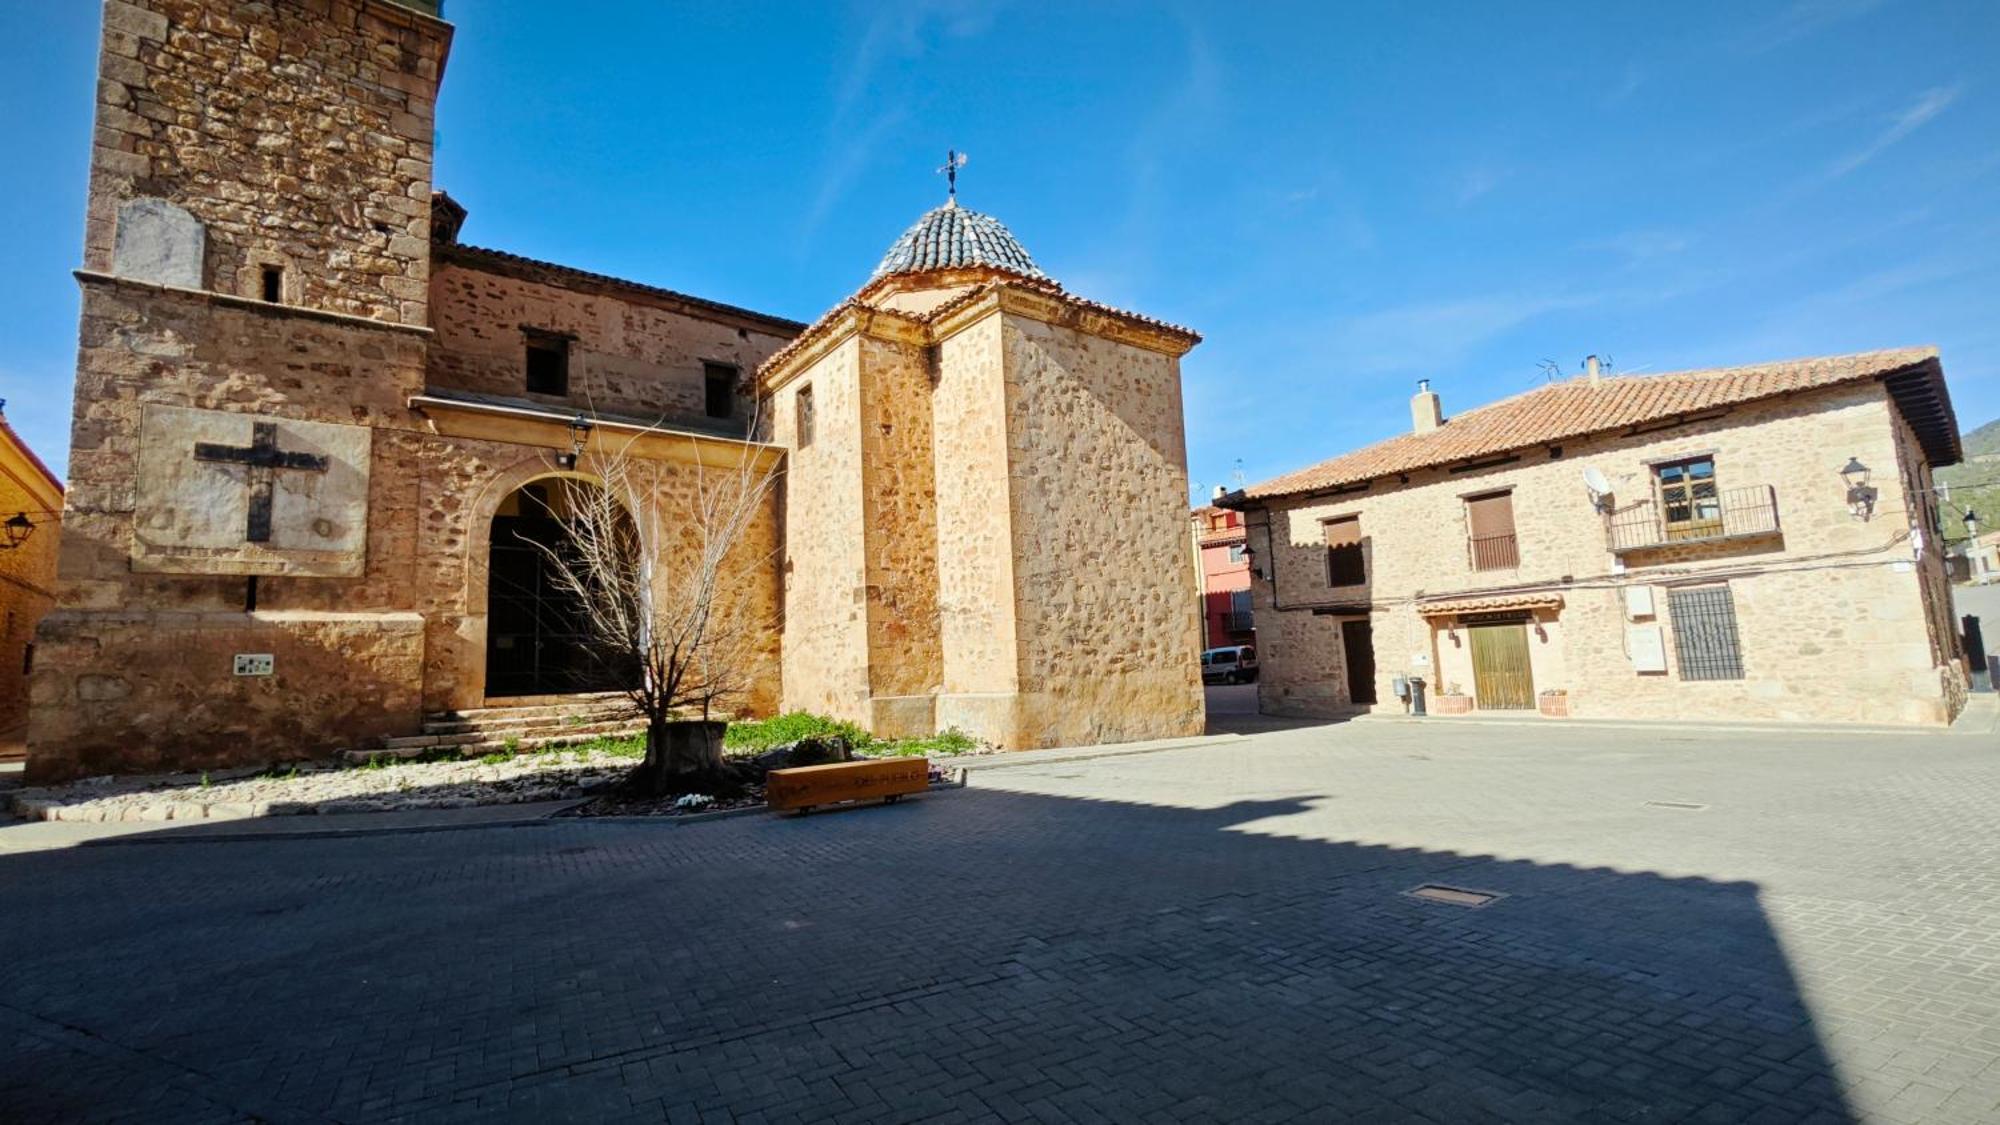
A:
[(538, 640)]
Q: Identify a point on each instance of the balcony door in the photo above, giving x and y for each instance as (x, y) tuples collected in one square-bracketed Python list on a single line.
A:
[(1690, 507)]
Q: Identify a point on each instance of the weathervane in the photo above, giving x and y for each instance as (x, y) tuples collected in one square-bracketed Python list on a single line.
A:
[(953, 161)]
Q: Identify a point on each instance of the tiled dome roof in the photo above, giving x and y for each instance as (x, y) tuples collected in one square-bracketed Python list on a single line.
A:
[(951, 237)]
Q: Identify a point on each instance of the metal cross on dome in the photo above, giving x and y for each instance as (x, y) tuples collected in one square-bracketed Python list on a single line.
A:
[(953, 161)]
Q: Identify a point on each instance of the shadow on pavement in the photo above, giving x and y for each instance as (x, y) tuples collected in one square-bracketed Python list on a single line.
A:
[(991, 955)]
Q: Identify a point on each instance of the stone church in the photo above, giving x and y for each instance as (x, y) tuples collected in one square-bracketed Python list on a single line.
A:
[(313, 428)]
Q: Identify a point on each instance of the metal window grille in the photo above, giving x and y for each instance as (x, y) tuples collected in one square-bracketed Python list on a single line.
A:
[(1705, 640)]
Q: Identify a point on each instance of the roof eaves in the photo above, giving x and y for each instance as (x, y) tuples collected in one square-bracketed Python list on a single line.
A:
[(470, 255)]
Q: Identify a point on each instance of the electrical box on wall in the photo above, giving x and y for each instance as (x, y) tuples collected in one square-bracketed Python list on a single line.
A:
[(255, 663), (1638, 601), (1647, 648)]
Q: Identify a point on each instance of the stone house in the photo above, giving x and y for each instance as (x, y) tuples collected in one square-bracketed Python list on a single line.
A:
[(1754, 542), (31, 500), (1223, 561), (314, 430)]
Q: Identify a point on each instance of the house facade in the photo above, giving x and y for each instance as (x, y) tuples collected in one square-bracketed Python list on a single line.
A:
[(31, 500), (1222, 557), (1747, 543), (316, 435)]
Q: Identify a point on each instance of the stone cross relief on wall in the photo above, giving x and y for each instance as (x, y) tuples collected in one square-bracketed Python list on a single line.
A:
[(222, 492)]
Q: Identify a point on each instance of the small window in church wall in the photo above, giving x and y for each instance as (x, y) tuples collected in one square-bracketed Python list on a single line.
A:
[(804, 423), (274, 284), (719, 390), (548, 364)]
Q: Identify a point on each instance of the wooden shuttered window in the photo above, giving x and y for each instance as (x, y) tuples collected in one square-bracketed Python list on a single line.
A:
[(1345, 565), (1490, 537), (1705, 641)]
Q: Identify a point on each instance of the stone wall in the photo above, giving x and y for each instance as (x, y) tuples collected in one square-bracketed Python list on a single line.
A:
[(977, 606), (898, 489), (1108, 632), (826, 564), (631, 353), (298, 134), (1831, 619)]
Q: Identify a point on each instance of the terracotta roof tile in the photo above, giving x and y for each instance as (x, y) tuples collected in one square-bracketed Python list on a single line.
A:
[(1578, 407)]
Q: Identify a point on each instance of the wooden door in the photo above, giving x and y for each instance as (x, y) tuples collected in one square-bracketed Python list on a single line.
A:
[(1357, 642), (1500, 676)]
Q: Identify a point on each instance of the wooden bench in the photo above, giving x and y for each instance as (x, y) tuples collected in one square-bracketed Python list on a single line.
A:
[(806, 787)]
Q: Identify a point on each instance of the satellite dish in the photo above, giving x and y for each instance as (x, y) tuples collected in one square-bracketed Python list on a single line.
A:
[(1600, 487)]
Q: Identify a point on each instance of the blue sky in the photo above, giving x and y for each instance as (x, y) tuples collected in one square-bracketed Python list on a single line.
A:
[(1342, 198)]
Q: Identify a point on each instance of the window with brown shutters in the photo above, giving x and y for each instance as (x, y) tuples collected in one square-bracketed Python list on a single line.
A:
[(1489, 522), (1345, 565)]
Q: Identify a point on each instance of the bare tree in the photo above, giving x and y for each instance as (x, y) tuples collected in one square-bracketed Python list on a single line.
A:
[(650, 549)]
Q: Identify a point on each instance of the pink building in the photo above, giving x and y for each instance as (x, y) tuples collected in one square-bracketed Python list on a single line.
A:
[(1225, 578)]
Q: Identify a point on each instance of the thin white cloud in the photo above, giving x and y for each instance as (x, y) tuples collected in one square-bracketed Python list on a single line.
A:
[(1923, 111), (1801, 19), (1434, 336), (1478, 181)]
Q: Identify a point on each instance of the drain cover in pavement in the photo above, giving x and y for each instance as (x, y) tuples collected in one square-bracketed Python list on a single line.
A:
[(1454, 896), (1683, 806)]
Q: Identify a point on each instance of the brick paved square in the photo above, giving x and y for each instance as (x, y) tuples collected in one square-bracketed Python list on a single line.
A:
[(1211, 933)]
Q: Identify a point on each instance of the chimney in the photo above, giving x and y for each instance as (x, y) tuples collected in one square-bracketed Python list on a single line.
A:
[(1426, 409), (1220, 492), (1593, 370)]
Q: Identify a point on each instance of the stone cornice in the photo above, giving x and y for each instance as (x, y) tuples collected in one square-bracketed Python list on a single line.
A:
[(846, 321), (1035, 300), (248, 304), (550, 430)]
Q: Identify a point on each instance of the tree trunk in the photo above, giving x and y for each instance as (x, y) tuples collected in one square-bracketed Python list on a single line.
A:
[(682, 757)]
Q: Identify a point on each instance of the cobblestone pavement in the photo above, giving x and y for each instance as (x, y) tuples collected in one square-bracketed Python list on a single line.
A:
[(1216, 933)]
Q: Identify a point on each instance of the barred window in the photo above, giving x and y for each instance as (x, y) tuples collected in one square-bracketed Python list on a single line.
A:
[(1705, 642)]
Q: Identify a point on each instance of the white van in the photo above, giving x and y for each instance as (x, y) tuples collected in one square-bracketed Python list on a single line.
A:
[(1233, 664)]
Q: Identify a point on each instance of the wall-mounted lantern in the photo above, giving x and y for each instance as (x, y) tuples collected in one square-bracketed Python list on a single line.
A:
[(1860, 495), (19, 527), (579, 433)]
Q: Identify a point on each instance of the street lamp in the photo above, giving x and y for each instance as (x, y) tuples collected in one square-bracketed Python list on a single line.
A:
[(1860, 496), (19, 527), (579, 432)]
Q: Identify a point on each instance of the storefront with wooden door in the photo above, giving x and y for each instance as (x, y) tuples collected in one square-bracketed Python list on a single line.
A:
[(1502, 677), (1496, 653)]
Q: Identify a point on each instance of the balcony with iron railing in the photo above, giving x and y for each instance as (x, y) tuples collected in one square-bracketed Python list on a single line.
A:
[(1494, 552), (1732, 513)]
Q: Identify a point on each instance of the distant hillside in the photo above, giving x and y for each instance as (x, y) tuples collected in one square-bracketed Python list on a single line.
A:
[(1974, 483)]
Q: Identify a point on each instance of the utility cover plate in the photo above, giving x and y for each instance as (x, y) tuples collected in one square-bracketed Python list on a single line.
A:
[(1455, 896)]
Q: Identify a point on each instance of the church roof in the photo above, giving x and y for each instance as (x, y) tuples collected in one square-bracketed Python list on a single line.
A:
[(951, 237)]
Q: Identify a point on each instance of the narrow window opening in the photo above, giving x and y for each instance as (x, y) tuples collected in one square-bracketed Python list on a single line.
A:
[(719, 390), (804, 421), (28, 658), (274, 284), (1346, 561), (1490, 539), (548, 364)]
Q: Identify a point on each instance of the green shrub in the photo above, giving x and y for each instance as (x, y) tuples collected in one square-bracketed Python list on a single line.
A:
[(944, 744), (756, 737)]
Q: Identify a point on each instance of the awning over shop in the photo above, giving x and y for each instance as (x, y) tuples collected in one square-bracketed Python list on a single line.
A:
[(1455, 607)]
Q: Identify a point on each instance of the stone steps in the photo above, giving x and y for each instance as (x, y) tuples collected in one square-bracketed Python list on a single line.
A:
[(538, 724), (478, 735), (479, 749)]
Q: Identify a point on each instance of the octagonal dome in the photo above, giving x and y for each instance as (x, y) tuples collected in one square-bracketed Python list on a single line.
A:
[(951, 237)]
